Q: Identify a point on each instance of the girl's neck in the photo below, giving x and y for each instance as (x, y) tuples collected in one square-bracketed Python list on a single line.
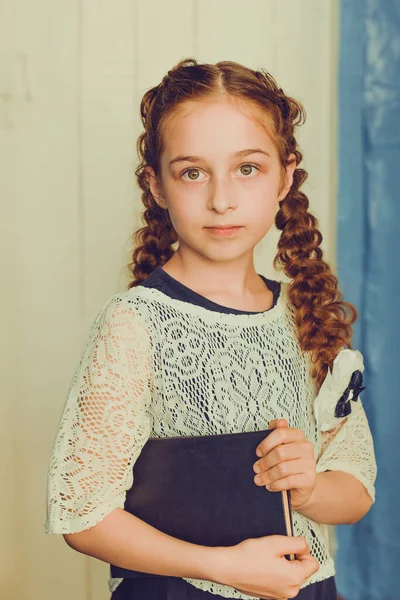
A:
[(257, 297)]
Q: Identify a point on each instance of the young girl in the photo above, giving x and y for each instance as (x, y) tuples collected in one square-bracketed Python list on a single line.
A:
[(201, 344)]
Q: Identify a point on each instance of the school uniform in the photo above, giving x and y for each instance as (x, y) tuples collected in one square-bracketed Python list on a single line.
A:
[(164, 361)]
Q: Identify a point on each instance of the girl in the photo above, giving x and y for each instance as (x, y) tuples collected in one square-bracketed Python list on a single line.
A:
[(200, 344)]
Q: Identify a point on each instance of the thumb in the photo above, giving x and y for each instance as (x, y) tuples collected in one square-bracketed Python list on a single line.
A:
[(308, 565), (291, 545)]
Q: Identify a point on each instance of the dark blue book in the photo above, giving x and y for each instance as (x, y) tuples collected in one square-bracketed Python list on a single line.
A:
[(201, 489)]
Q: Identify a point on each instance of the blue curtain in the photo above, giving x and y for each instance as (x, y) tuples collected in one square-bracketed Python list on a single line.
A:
[(368, 254)]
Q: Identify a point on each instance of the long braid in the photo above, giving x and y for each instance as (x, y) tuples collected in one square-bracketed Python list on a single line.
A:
[(323, 319), (153, 243)]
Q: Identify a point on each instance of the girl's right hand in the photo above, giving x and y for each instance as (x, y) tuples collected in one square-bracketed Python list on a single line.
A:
[(258, 566)]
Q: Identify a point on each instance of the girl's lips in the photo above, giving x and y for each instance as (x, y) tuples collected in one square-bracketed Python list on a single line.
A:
[(223, 231)]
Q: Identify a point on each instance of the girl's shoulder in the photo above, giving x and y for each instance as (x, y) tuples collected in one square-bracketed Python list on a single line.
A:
[(120, 317), (129, 300)]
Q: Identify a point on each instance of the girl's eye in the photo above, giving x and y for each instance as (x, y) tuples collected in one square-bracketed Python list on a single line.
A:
[(191, 171), (246, 166)]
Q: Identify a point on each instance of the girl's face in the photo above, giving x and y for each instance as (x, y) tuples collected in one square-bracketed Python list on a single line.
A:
[(219, 167)]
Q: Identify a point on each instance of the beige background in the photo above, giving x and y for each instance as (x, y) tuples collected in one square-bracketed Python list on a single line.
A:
[(71, 78)]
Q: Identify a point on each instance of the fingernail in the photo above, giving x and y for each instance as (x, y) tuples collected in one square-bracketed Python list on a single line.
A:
[(257, 468), (258, 452)]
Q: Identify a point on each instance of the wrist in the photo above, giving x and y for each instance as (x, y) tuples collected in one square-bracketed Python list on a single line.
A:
[(217, 565), (309, 503)]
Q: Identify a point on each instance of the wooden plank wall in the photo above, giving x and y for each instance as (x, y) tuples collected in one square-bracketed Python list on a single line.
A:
[(71, 78)]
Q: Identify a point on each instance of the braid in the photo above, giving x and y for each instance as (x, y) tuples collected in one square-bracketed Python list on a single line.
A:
[(153, 242), (323, 319)]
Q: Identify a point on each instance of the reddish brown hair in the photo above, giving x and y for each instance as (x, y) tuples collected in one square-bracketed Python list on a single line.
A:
[(323, 319)]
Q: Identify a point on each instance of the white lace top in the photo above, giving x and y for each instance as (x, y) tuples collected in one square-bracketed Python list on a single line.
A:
[(155, 366)]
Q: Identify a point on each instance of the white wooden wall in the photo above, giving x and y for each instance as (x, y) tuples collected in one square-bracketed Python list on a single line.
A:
[(71, 78)]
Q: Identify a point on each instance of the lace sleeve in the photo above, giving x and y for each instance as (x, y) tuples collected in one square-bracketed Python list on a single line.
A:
[(104, 424), (349, 447)]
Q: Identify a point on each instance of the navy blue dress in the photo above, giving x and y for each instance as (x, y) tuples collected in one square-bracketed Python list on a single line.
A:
[(176, 588)]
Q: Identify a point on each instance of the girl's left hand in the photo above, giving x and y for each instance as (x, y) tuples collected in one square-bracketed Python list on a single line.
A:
[(287, 463)]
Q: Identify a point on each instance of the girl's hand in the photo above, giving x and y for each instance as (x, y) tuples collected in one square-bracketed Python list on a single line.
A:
[(258, 567), (287, 463)]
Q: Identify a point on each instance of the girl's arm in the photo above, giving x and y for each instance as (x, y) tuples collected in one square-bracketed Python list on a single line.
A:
[(256, 566), (346, 472), (105, 422), (128, 542), (338, 498), (336, 488)]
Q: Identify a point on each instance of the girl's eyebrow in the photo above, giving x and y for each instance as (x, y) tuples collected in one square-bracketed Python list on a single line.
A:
[(188, 158)]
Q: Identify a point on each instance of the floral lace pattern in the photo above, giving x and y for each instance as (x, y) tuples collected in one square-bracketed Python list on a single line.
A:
[(154, 366)]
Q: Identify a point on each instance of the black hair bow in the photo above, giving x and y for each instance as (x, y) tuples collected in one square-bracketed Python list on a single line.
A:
[(343, 407)]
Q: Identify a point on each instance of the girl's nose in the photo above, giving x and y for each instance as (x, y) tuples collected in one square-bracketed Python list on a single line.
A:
[(222, 196)]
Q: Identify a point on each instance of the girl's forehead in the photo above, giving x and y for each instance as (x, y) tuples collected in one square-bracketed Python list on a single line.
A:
[(225, 108), (217, 122)]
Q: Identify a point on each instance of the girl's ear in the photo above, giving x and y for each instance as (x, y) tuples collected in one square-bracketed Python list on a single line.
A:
[(288, 177), (155, 187)]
